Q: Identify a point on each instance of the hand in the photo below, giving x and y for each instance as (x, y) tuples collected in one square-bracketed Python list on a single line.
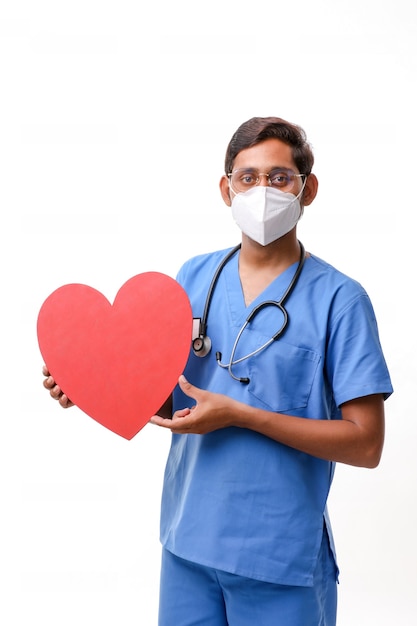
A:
[(54, 390), (211, 412)]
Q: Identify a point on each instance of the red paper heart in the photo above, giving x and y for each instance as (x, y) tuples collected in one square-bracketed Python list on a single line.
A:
[(118, 363)]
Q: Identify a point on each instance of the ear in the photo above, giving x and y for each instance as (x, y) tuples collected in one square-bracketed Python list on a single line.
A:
[(225, 190), (310, 189)]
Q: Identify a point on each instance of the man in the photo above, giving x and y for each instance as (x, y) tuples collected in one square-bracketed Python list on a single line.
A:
[(286, 377)]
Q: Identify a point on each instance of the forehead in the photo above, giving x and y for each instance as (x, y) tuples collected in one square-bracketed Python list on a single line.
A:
[(265, 155)]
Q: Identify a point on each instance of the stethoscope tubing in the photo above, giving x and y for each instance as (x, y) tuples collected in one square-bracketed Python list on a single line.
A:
[(222, 264), (252, 314)]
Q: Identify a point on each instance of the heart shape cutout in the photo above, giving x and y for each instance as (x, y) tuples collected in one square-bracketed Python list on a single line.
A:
[(118, 363)]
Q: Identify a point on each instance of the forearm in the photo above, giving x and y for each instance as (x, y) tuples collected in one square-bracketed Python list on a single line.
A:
[(356, 439), (349, 440)]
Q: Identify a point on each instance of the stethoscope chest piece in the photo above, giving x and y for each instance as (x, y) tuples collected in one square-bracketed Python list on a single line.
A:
[(200, 342)]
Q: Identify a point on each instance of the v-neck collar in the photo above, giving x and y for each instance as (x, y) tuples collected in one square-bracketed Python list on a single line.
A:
[(234, 291)]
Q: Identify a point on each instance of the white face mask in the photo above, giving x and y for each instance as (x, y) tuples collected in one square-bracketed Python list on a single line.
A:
[(265, 214)]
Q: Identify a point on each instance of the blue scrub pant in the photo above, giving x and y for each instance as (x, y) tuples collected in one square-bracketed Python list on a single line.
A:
[(195, 595)]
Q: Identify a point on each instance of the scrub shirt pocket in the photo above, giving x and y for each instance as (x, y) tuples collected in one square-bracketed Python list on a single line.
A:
[(281, 376)]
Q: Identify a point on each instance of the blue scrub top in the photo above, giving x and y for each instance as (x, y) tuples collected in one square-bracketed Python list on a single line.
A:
[(234, 499)]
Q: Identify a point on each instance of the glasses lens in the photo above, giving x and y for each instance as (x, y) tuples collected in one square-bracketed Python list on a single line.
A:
[(244, 179), (282, 178)]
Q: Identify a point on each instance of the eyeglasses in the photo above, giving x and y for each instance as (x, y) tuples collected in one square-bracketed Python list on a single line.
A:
[(280, 178)]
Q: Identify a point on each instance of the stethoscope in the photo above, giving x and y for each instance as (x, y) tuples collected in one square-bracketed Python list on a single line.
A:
[(201, 343)]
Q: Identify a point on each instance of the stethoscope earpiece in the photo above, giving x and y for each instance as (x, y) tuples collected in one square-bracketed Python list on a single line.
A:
[(244, 381)]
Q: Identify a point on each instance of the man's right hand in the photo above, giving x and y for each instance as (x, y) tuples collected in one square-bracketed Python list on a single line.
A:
[(54, 390)]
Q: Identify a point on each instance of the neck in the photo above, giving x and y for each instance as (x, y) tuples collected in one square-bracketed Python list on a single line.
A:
[(279, 254), (260, 265)]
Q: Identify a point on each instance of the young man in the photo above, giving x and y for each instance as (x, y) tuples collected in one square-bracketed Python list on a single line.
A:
[(285, 378)]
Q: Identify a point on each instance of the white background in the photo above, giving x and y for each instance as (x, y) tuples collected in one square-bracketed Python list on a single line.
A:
[(114, 120)]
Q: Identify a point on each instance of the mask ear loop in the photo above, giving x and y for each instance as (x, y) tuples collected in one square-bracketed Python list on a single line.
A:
[(300, 193), (231, 188), (303, 187)]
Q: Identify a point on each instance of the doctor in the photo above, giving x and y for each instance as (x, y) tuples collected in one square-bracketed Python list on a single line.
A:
[(266, 407)]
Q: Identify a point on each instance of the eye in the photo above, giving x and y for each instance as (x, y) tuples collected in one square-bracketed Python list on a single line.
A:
[(280, 178), (246, 178)]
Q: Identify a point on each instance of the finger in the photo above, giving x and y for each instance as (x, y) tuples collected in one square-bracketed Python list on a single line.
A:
[(182, 412), (45, 370), (49, 383), (55, 392), (161, 421), (169, 422), (190, 390), (65, 402)]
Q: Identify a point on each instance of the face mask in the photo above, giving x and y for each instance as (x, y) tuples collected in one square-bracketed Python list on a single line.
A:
[(265, 214)]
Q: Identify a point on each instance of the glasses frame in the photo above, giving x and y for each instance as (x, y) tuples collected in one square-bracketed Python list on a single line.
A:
[(267, 174)]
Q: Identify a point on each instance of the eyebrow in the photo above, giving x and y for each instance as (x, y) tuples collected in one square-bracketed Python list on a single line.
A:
[(271, 169)]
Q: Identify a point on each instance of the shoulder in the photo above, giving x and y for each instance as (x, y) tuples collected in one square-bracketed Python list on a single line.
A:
[(327, 276), (334, 291)]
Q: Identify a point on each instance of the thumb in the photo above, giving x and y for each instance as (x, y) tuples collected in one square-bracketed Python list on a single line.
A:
[(187, 388)]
